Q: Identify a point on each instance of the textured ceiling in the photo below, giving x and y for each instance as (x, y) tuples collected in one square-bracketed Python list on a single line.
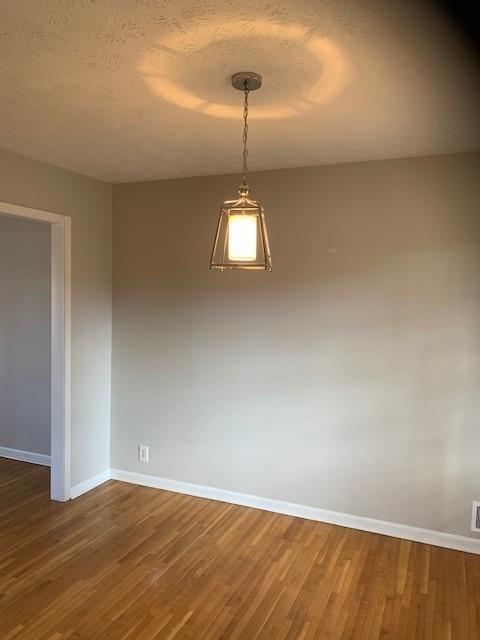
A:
[(126, 90)]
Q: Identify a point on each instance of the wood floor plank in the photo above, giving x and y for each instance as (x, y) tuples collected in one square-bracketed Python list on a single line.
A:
[(132, 563)]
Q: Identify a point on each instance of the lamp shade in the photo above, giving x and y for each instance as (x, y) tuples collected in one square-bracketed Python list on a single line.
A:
[(241, 240)]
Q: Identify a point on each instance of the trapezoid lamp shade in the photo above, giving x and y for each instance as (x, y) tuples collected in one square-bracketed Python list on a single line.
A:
[(241, 240)]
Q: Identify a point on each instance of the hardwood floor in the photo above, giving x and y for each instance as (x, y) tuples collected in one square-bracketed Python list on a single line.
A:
[(132, 563)]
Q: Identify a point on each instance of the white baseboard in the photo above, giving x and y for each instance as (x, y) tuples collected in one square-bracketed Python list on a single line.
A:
[(91, 483), (416, 534), (25, 456)]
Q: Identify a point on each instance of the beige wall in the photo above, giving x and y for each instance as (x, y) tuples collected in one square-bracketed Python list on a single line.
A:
[(25, 316), (348, 378), (88, 202)]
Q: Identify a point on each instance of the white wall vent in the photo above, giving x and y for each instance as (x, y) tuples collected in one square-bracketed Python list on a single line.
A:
[(476, 517)]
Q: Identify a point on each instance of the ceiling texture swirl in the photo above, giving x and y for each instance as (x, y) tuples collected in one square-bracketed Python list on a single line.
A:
[(128, 90)]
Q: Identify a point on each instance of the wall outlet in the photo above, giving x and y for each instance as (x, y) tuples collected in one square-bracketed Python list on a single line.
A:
[(143, 452), (476, 517)]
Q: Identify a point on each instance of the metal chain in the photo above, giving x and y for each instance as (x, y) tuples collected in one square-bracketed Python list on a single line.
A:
[(245, 132)]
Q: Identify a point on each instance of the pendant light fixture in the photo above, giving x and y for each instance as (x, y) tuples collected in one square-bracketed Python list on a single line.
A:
[(241, 241)]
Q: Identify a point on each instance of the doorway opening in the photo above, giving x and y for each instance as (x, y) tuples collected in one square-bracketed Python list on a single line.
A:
[(60, 236)]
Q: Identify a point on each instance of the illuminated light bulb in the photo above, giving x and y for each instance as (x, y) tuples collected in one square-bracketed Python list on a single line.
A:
[(242, 238)]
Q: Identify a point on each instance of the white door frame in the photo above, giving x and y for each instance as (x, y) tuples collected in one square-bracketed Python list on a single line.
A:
[(61, 257)]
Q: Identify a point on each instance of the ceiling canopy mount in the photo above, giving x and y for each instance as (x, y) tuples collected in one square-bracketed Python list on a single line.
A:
[(247, 80)]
